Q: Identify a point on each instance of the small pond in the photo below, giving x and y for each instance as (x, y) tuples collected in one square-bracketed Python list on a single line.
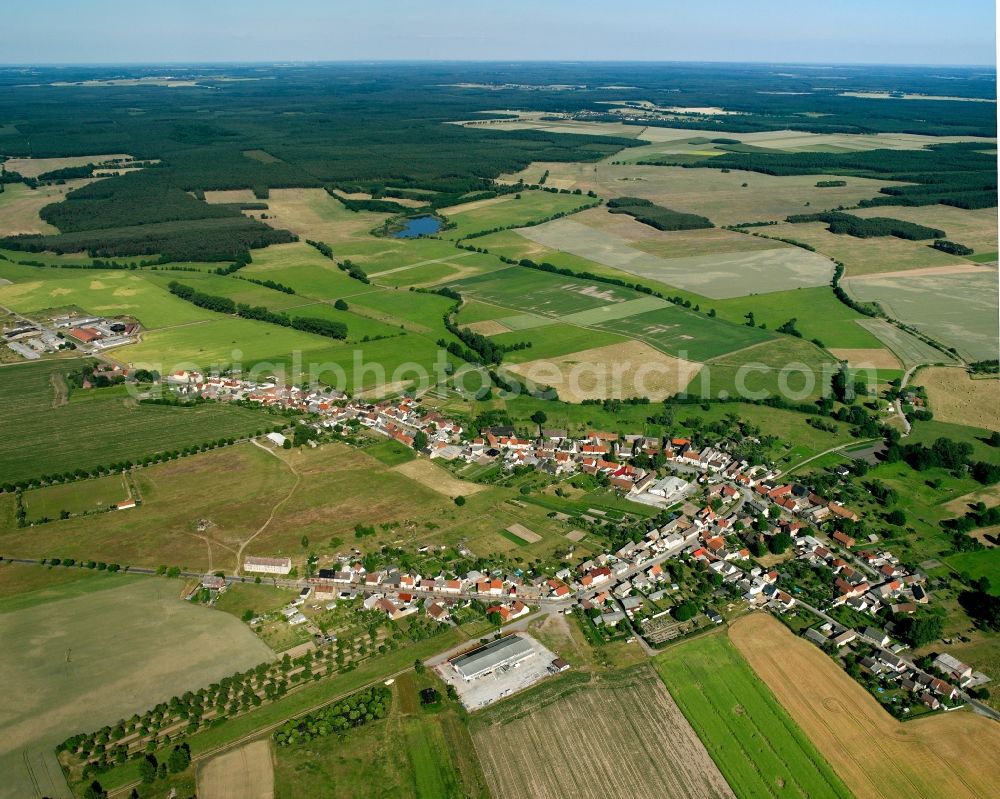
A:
[(418, 226)]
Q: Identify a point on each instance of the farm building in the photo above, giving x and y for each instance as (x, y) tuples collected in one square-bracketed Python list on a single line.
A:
[(268, 565), (497, 655), (277, 439)]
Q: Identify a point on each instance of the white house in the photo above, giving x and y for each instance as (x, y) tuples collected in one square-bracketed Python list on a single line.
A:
[(280, 566)]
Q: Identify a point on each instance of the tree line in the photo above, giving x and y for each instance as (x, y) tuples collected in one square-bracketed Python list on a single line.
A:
[(259, 313)]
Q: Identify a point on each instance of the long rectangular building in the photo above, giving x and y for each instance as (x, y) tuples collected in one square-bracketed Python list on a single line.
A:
[(505, 653), (268, 565)]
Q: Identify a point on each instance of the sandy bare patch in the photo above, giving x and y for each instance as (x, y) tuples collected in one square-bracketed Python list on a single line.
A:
[(878, 757), (33, 167), (463, 207), (432, 476), (314, 214), (385, 389), (524, 533), (575, 535), (244, 773), (363, 195), (231, 196), (930, 271), (488, 327), (879, 358), (955, 397), (989, 495), (631, 369)]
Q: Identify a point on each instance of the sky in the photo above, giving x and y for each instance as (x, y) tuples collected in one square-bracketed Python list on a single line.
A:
[(795, 31)]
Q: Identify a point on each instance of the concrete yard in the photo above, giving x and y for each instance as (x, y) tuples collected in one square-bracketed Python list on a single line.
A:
[(483, 691)]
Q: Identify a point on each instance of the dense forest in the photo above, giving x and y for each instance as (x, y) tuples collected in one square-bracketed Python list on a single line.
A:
[(657, 216), (959, 174), (381, 130), (871, 227)]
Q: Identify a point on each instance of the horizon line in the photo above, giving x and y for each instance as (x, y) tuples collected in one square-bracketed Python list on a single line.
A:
[(322, 62)]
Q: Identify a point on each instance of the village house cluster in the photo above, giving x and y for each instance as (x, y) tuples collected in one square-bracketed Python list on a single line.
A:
[(615, 587)]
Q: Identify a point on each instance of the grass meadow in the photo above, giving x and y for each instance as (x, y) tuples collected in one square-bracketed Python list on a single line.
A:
[(509, 211), (113, 293), (320, 494), (757, 746), (97, 426), (817, 313), (425, 753), (83, 496), (788, 367), (678, 331)]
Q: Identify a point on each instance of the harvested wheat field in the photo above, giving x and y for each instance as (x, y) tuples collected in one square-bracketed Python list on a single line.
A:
[(488, 327), (524, 533), (955, 397), (314, 214), (621, 737), (19, 206), (232, 196), (33, 167), (631, 369), (244, 773), (951, 755), (437, 479), (876, 358)]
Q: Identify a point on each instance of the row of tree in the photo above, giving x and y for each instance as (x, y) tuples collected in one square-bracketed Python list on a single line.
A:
[(308, 324)]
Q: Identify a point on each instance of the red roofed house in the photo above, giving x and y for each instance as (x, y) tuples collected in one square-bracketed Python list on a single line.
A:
[(84, 334), (844, 539)]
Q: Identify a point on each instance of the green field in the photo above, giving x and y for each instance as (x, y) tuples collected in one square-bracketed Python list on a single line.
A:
[(65, 682), (759, 749), (818, 314), (390, 452), (419, 312), (759, 372), (475, 311), (97, 426), (231, 342), (306, 270), (239, 291), (542, 292), (80, 497), (552, 341), (509, 212), (985, 563), (117, 293), (679, 331)]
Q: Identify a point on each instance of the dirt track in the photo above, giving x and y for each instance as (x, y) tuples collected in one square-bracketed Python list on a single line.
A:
[(951, 756)]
